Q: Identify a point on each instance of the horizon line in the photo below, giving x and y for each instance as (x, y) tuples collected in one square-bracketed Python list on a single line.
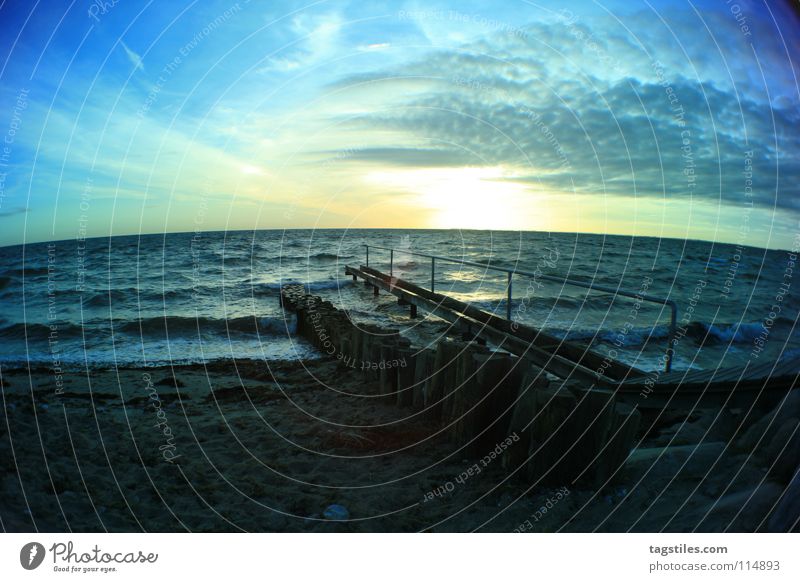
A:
[(149, 234)]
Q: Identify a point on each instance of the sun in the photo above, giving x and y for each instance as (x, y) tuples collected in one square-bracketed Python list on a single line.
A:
[(469, 197), (253, 170)]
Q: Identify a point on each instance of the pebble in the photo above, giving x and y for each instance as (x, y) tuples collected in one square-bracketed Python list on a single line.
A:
[(336, 513)]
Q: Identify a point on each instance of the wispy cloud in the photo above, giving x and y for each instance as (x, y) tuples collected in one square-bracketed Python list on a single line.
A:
[(376, 46), (5, 212), (317, 39), (134, 58), (654, 131)]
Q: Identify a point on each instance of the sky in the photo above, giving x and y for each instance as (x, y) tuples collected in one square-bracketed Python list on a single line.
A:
[(674, 118)]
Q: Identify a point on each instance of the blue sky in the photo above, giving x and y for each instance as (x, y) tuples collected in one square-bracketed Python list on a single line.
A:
[(655, 118)]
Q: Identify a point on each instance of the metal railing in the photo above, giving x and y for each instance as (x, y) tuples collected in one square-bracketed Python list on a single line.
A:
[(563, 280)]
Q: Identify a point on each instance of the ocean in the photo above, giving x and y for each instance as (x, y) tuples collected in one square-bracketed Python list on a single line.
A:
[(198, 297)]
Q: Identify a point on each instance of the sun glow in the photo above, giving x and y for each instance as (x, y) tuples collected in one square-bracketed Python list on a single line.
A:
[(480, 198), (253, 170)]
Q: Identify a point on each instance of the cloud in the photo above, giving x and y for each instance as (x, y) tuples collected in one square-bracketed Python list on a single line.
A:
[(6, 212), (134, 58), (399, 156), (317, 38), (376, 46), (654, 124)]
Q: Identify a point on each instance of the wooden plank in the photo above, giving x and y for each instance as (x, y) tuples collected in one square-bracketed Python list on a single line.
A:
[(554, 363)]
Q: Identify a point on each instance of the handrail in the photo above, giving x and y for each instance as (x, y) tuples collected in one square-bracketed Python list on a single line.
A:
[(563, 280)]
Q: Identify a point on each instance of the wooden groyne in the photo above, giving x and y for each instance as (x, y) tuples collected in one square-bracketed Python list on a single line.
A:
[(563, 431), (761, 383)]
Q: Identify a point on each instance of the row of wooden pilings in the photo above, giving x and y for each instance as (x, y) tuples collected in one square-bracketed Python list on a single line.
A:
[(566, 432)]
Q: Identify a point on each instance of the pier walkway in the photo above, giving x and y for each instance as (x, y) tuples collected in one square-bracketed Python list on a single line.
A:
[(571, 360)]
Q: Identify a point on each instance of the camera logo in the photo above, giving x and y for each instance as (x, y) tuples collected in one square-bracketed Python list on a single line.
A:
[(31, 555)]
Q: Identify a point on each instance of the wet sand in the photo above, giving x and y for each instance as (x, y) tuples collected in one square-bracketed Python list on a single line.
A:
[(249, 447)]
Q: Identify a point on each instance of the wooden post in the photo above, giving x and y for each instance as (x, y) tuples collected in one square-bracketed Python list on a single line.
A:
[(522, 417), (590, 426), (504, 383), (508, 304), (622, 437), (571, 428), (372, 347), (335, 332), (405, 376), (458, 393), (549, 439), (442, 377), (422, 367), (484, 411), (345, 333), (461, 402), (386, 370), (344, 349), (355, 345)]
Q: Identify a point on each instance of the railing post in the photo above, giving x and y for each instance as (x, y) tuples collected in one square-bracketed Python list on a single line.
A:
[(508, 304), (670, 353), (673, 322)]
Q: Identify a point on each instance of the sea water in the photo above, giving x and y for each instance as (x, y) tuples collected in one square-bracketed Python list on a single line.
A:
[(195, 297)]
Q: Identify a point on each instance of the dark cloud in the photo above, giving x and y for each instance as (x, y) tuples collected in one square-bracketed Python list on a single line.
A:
[(6, 212), (641, 126), (416, 157)]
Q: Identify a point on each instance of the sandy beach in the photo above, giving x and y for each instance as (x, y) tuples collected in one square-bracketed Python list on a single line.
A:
[(246, 446)]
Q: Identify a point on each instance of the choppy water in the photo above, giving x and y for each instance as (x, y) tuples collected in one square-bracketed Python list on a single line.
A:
[(194, 297)]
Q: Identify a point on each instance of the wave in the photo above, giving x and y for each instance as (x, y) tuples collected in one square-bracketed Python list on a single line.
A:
[(698, 331), (41, 331), (151, 326), (26, 272), (272, 289), (234, 261), (325, 257), (631, 338), (180, 325), (493, 301), (716, 261), (710, 334), (104, 298), (405, 263), (601, 302), (327, 285), (157, 296)]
